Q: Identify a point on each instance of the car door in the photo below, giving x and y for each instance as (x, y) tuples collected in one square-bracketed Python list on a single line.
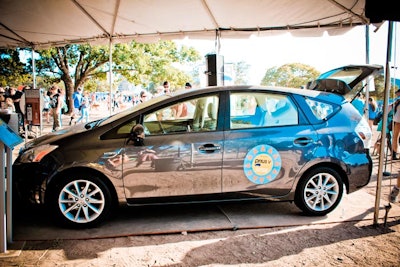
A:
[(267, 143), (182, 154)]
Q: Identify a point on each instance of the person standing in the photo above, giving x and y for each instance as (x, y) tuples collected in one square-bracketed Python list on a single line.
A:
[(372, 111), (77, 100), (16, 96), (143, 96), (136, 100), (188, 85), (46, 105), (56, 105), (167, 89), (396, 128), (84, 108), (64, 107), (10, 105)]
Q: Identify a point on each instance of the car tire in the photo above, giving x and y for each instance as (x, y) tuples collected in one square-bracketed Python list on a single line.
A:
[(89, 208), (319, 191)]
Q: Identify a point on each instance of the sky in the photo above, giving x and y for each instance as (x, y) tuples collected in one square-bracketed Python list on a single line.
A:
[(323, 53)]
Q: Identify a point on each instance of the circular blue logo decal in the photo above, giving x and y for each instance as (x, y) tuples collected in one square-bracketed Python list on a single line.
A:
[(262, 164)]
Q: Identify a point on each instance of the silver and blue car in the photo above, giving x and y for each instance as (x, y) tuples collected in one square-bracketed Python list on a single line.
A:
[(232, 143)]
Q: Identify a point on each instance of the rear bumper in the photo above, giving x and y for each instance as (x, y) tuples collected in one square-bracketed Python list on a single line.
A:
[(360, 172)]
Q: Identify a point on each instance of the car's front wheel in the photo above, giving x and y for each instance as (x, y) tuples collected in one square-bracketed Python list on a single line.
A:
[(80, 200), (319, 192)]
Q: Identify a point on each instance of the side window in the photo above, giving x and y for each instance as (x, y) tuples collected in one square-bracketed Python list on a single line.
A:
[(320, 110), (197, 114), (255, 109)]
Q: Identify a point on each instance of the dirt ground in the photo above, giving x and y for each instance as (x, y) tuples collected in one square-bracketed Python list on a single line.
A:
[(358, 243), (347, 244)]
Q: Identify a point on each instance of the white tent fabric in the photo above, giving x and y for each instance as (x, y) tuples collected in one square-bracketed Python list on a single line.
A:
[(45, 23)]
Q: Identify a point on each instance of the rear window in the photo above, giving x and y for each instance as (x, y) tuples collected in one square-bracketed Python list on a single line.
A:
[(347, 75)]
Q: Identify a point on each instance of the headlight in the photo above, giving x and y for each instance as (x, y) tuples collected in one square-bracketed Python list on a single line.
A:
[(36, 154)]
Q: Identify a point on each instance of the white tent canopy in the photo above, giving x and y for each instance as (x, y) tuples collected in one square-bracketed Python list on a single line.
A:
[(45, 23)]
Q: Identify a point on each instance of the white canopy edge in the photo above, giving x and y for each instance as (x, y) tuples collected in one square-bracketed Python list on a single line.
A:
[(45, 23)]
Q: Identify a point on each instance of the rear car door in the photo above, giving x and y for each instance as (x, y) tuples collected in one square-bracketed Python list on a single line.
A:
[(267, 143)]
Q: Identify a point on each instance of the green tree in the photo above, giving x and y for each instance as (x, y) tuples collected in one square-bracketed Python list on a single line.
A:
[(13, 71), (151, 64), (74, 65), (290, 75), (380, 88)]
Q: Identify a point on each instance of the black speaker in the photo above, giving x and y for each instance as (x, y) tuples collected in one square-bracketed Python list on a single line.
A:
[(215, 69)]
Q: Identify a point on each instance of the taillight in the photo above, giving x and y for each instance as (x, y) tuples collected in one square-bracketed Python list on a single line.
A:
[(364, 132)]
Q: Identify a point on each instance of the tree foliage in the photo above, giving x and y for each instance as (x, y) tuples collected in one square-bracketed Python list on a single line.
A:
[(74, 65), (13, 71), (290, 75)]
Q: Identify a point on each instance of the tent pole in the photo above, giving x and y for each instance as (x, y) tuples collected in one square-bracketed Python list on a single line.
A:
[(33, 68), (35, 87), (367, 44), (366, 106), (384, 123), (111, 75)]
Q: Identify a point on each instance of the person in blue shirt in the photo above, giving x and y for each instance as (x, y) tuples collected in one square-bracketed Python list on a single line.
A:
[(372, 111), (84, 108), (77, 100)]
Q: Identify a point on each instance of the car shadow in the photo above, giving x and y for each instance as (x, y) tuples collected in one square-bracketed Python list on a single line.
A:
[(250, 246), (259, 247)]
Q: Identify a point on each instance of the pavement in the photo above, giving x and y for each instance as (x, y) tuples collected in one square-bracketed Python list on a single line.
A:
[(131, 221)]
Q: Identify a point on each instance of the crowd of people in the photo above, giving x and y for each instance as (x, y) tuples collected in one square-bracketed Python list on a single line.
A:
[(83, 102), (55, 106)]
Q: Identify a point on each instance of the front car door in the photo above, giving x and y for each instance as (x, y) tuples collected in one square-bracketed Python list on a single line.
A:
[(182, 153)]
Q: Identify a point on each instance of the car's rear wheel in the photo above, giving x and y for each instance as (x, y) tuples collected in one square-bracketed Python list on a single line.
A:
[(80, 200), (319, 191)]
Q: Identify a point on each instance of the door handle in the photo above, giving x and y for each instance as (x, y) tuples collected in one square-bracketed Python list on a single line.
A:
[(209, 148), (302, 141)]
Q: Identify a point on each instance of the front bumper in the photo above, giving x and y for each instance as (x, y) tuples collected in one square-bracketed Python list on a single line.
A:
[(29, 182)]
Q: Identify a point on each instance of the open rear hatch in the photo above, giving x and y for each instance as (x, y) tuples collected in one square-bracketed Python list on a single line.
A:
[(347, 80)]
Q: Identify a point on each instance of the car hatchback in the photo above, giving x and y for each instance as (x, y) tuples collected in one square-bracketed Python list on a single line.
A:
[(231, 143)]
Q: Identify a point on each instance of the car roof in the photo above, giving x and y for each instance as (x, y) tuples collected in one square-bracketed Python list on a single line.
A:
[(181, 94), (232, 88)]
